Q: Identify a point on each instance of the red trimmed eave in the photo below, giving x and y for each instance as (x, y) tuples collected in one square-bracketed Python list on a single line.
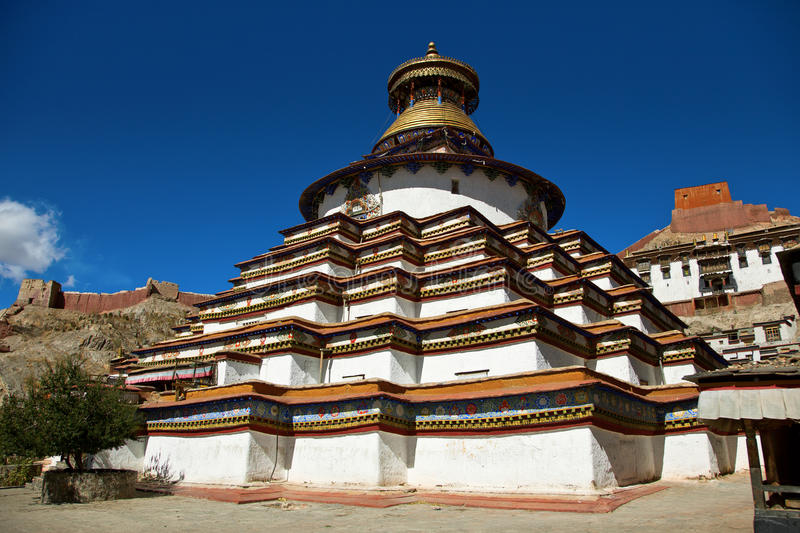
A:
[(242, 357), (337, 328), (591, 420), (649, 312), (374, 275), (655, 394), (334, 260), (354, 249), (424, 324), (584, 238), (335, 298), (361, 224), (615, 261), (422, 244), (364, 224)]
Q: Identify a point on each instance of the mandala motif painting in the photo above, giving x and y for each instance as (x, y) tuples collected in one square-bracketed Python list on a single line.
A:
[(360, 203)]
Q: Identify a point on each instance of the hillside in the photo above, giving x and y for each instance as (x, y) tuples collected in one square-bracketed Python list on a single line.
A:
[(36, 334)]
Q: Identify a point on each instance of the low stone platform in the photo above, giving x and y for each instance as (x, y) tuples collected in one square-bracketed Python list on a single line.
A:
[(380, 498)]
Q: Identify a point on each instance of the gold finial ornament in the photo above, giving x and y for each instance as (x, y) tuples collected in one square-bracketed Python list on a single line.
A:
[(432, 91)]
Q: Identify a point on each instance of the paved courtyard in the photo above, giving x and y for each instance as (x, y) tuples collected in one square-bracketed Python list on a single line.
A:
[(716, 505)]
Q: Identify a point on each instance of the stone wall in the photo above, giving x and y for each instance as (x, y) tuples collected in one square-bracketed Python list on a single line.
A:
[(718, 217), (39, 292), (61, 486), (89, 302), (49, 294)]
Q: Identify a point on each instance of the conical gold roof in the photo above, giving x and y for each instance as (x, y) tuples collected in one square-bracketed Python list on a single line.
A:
[(429, 113), (430, 93)]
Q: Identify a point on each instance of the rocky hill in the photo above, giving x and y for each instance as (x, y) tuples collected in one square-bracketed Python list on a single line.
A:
[(35, 334)]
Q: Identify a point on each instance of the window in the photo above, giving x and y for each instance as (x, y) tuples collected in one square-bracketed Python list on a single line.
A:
[(742, 253), (664, 263), (733, 338), (645, 277), (765, 250), (711, 302), (454, 186), (772, 333), (685, 268)]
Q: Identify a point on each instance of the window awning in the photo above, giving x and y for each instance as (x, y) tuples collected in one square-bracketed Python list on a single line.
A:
[(170, 374), (749, 403)]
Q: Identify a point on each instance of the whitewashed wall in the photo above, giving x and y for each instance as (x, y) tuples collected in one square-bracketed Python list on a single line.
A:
[(428, 193), (231, 458), (750, 278), (229, 372)]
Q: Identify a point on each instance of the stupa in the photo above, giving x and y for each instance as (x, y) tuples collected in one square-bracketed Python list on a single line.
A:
[(424, 328)]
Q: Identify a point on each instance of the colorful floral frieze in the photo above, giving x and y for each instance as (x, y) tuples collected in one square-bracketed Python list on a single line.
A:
[(595, 404)]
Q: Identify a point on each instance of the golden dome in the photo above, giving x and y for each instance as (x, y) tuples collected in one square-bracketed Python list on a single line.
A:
[(432, 92), (431, 114)]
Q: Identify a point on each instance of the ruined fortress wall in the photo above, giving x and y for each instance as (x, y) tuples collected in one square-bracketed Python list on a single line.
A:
[(191, 298), (718, 217), (49, 294), (89, 302), (39, 292)]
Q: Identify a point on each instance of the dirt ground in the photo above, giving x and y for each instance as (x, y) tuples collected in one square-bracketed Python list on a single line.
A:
[(722, 504)]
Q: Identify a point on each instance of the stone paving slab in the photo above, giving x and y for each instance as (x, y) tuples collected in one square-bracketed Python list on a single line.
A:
[(722, 504)]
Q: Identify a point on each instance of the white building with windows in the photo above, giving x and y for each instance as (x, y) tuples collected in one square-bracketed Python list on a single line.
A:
[(718, 259)]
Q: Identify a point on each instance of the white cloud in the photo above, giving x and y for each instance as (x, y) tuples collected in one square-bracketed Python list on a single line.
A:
[(70, 282), (28, 240)]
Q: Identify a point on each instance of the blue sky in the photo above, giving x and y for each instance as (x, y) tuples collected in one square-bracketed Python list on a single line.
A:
[(173, 139)]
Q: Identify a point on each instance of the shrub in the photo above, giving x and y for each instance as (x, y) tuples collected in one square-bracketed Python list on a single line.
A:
[(66, 412), (23, 473)]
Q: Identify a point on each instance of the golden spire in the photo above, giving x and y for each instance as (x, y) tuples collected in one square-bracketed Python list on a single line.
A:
[(432, 49), (432, 92)]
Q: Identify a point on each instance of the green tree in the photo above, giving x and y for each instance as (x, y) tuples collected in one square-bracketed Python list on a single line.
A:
[(66, 412)]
